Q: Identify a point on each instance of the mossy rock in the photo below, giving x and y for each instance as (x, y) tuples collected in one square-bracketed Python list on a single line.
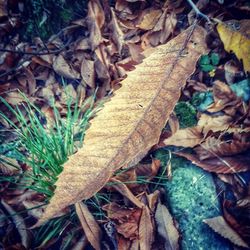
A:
[(186, 114), (191, 197)]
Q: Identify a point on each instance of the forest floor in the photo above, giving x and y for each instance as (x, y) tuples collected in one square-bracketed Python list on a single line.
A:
[(62, 63)]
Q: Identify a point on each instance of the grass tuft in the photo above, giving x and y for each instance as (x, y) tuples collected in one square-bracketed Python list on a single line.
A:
[(43, 147)]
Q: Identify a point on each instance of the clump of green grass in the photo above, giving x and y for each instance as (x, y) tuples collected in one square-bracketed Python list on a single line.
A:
[(44, 148)]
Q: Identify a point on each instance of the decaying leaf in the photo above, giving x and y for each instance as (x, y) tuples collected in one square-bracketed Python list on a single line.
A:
[(8, 166), (19, 224), (14, 98), (219, 225), (214, 123), (220, 165), (61, 67), (131, 123), (123, 189), (89, 225), (188, 137), (88, 72), (146, 230), (149, 18), (214, 147), (95, 22), (166, 227), (236, 37)]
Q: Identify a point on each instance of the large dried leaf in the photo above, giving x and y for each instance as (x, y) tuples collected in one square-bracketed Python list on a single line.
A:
[(166, 227), (131, 123), (219, 225), (89, 225)]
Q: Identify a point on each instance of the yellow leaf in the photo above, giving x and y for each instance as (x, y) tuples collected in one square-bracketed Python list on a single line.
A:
[(131, 123), (89, 225), (235, 36)]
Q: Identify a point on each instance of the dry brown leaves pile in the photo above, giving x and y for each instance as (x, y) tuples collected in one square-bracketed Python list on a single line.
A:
[(99, 51)]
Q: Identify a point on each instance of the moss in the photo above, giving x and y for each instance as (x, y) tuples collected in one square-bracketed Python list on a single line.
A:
[(202, 100), (191, 197), (186, 114)]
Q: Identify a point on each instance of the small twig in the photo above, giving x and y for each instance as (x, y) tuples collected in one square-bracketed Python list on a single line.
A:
[(35, 53), (197, 11), (29, 54)]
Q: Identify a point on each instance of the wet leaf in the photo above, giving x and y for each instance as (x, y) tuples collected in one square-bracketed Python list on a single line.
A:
[(89, 225), (236, 37), (125, 129), (219, 225)]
